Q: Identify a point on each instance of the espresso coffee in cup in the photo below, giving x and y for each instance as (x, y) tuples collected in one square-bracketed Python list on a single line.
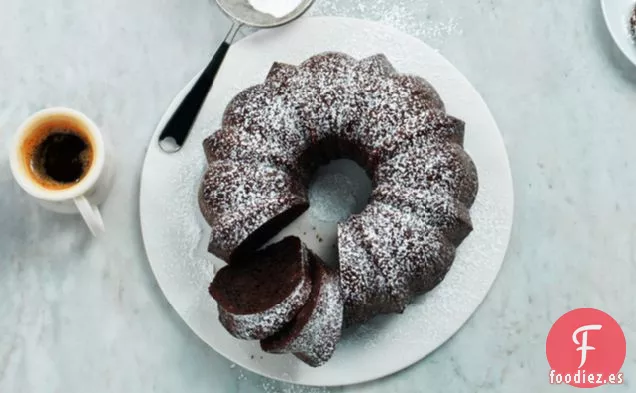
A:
[(59, 157), (59, 153)]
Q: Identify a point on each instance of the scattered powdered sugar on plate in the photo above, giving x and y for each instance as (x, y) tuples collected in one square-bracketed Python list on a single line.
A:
[(338, 190), (332, 198), (399, 14), (185, 225), (271, 386)]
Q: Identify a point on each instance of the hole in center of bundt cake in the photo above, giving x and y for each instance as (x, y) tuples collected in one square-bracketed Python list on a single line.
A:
[(339, 189)]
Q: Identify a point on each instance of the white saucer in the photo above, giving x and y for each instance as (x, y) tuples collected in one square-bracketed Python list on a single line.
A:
[(175, 237), (617, 14)]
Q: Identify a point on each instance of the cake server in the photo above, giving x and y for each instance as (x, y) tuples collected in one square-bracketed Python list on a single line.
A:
[(242, 13)]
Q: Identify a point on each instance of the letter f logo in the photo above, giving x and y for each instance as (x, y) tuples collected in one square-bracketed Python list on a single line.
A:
[(583, 344)]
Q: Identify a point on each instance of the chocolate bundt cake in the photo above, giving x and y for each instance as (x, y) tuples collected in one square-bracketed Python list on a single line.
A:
[(274, 136), (313, 334), (258, 294)]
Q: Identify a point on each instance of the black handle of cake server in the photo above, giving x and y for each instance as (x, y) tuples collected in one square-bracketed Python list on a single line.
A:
[(180, 123)]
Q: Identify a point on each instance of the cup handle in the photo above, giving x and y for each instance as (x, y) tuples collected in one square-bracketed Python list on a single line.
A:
[(91, 215)]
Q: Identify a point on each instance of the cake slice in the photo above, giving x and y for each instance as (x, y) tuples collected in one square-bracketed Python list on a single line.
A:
[(259, 294), (313, 334)]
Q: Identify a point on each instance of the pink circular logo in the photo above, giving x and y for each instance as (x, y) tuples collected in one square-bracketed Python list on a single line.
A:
[(586, 348)]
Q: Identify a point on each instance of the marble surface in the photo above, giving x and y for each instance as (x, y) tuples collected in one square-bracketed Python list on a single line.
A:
[(80, 314)]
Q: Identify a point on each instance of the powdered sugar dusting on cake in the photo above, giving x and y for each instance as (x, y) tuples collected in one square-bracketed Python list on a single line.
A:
[(323, 321), (232, 229), (385, 102), (412, 255), (439, 210), (264, 118), (423, 129), (365, 291), (237, 198), (323, 90), (443, 168), (228, 185)]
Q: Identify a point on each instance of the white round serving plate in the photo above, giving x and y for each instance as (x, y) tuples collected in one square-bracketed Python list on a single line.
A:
[(175, 235), (617, 14)]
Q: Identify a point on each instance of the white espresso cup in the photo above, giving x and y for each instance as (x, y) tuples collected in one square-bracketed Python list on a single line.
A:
[(83, 195)]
